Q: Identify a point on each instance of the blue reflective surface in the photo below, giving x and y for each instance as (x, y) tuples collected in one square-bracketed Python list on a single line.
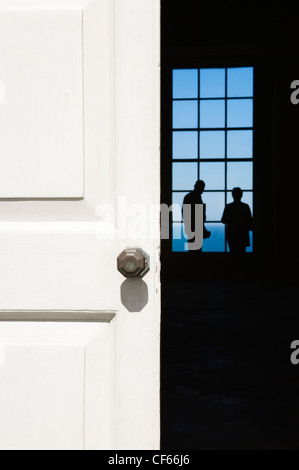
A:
[(185, 114), (249, 249), (185, 144), (216, 242), (212, 144), (212, 83), (185, 83)]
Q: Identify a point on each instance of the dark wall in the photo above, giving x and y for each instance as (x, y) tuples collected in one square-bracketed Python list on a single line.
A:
[(267, 34)]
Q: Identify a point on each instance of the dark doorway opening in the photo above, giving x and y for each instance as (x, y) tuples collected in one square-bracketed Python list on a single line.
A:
[(227, 378)]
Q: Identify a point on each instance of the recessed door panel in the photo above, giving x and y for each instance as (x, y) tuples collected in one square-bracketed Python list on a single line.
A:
[(55, 386), (41, 104)]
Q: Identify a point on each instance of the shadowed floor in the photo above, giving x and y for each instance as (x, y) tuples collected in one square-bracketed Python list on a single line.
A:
[(227, 378)]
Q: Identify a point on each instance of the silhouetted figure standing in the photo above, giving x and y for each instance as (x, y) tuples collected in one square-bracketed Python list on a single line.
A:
[(238, 220), (192, 199)]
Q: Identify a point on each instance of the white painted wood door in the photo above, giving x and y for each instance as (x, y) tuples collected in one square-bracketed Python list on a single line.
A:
[(79, 182)]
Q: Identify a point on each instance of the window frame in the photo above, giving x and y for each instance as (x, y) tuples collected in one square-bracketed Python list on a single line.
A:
[(167, 130)]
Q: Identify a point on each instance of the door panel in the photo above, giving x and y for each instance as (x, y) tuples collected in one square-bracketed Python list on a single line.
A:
[(61, 399), (58, 243), (48, 268), (41, 119)]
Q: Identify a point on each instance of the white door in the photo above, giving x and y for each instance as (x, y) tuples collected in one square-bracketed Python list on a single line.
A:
[(79, 183)]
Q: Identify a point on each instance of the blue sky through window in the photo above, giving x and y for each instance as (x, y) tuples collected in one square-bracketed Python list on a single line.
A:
[(239, 144), (240, 82), (212, 113), (185, 83), (184, 176), (185, 114), (185, 144), (212, 139), (212, 144), (239, 113), (212, 83)]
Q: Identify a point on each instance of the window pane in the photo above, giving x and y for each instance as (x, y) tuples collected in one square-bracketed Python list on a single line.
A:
[(212, 83), (179, 240), (239, 113), (240, 81), (177, 198), (216, 242), (214, 205), (239, 144), (213, 175), (239, 175), (212, 113), (185, 144), (185, 83), (247, 198), (185, 114), (184, 176), (212, 144)]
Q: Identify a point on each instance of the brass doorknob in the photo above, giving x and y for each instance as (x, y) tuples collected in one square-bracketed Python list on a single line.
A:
[(133, 262)]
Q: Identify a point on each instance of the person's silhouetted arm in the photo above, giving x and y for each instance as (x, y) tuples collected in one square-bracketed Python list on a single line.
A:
[(187, 216)]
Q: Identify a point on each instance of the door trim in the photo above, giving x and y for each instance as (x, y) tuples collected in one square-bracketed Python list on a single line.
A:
[(57, 316)]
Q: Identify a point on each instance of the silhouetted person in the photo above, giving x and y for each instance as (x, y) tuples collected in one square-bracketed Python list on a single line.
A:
[(238, 220), (192, 199)]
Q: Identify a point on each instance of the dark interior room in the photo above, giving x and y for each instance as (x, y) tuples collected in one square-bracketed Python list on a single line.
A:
[(229, 378)]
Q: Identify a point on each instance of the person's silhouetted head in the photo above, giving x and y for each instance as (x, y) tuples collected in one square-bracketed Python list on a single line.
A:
[(237, 194), (199, 186)]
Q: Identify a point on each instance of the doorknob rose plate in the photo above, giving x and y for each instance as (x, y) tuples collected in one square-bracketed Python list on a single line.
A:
[(133, 262)]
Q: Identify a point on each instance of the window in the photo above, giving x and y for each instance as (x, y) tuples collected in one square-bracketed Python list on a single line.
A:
[(212, 140)]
